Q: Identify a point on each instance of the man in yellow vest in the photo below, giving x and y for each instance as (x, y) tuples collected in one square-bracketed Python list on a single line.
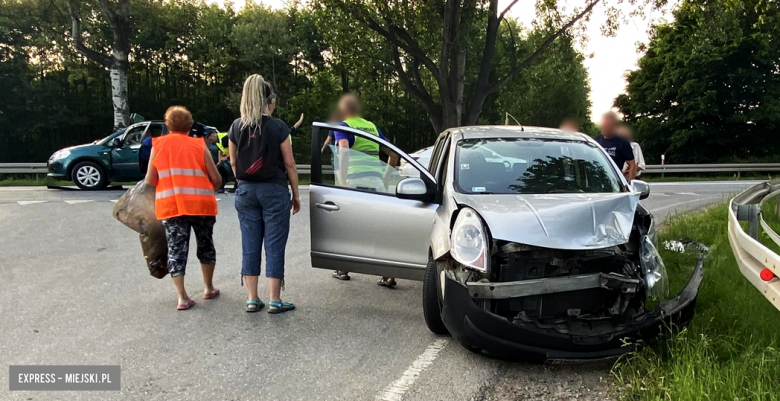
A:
[(359, 165)]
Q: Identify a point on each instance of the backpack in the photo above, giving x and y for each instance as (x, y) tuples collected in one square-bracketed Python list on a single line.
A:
[(259, 153)]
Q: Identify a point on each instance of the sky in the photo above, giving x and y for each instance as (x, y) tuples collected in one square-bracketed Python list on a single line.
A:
[(607, 58)]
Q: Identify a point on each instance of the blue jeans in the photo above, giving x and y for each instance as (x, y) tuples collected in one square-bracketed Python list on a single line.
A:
[(264, 215)]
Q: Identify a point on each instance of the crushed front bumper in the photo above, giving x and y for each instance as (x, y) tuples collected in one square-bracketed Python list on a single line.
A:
[(478, 328)]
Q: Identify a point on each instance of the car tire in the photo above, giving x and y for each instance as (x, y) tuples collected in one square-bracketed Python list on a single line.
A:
[(89, 176), (432, 299)]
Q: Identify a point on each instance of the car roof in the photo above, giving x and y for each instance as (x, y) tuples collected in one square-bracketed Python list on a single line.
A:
[(522, 132)]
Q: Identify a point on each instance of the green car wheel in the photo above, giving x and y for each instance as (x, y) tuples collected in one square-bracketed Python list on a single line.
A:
[(89, 176)]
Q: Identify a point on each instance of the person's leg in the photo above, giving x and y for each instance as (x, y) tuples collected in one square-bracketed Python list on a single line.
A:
[(207, 253), (250, 218), (276, 215), (177, 234)]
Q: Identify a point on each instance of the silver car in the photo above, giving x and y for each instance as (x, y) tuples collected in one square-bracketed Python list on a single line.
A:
[(541, 251)]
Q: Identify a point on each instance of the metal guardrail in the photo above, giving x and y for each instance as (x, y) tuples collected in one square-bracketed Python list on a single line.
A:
[(752, 256), (40, 168), (711, 168)]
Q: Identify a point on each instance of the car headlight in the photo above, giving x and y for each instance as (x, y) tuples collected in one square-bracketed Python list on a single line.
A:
[(469, 242), (60, 154), (656, 279)]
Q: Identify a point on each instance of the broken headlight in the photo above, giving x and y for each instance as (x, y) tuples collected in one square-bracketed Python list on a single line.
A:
[(469, 242), (656, 279)]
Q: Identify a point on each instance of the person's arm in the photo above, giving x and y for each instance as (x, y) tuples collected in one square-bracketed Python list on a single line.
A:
[(631, 170), (151, 172), (211, 170), (343, 161), (299, 122), (640, 159), (292, 173), (327, 142)]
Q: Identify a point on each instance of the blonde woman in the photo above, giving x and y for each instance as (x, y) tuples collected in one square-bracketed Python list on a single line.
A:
[(262, 159)]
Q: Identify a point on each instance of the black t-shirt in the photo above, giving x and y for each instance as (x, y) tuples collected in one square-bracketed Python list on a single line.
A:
[(617, 148), (254, 144)]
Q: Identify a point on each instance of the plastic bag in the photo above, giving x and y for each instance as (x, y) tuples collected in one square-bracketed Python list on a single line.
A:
[(135, 209)]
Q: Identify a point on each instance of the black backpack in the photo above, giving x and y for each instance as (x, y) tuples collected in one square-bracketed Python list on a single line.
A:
[(259, 153)]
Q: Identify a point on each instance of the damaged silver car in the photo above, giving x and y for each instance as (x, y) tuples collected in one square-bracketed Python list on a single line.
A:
[(542, 252)]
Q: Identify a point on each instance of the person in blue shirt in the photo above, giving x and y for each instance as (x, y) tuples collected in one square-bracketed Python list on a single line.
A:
[(146, 149), (616, 147)]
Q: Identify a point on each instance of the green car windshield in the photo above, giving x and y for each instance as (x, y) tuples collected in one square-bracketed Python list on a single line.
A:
[(532, 166)]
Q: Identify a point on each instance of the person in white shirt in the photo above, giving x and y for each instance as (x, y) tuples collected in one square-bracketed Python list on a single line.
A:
[(627, 133)]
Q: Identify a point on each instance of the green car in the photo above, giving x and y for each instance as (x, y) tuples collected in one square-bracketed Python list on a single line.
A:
[(113, 158)]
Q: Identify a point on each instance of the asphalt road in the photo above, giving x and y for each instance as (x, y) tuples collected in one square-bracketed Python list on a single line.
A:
[(76, 292)]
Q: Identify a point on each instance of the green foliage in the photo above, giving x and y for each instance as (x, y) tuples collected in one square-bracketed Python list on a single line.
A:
[(196, 54), (708, 88), (729, 351)]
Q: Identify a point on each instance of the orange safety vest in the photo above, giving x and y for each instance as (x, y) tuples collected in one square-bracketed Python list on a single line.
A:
[(183, 188)]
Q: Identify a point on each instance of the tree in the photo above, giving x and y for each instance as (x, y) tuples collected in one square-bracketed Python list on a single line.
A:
[(430, 40), (708, 88), (118, 18)]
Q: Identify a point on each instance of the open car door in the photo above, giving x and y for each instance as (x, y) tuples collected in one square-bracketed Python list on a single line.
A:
[(362, 221)]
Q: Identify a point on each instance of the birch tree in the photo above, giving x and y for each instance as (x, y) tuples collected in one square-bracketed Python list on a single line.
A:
[(117, 15)]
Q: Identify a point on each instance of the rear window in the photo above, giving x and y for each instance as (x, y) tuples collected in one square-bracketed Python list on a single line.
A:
[(532, 166)]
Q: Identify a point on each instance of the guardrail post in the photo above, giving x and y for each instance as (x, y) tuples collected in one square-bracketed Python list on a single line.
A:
[(749, 213)]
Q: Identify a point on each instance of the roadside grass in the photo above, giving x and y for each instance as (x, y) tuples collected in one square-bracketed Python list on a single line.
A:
[(729, 351)]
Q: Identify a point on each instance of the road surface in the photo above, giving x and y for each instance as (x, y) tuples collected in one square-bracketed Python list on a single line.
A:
[(76, 292)]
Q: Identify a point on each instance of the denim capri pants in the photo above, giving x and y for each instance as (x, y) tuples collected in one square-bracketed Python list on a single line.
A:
[(264, 215)]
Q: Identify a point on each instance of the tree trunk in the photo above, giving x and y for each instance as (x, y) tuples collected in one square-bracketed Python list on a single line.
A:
[(118, 73)]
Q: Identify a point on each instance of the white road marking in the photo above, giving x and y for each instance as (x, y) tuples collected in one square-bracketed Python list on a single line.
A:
[(115, 200), (219, 199), (673, 205), (25, 203), (688, 193), (396, 390), (659, 194), (77, 201)]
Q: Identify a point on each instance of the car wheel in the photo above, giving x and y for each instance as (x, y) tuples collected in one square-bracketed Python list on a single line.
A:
[(89, 176), (432, 299)]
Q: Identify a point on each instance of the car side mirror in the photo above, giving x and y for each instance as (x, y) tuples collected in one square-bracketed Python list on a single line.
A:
[(412, 188), (114, 143), (642, 187)]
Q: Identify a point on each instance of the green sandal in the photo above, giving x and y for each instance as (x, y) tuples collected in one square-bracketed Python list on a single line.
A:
[(254, 305), (279, 307)]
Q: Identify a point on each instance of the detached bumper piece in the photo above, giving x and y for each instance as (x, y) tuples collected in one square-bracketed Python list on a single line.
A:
[(467, 317)]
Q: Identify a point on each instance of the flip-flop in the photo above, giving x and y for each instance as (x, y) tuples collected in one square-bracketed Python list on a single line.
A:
[(256, 302), (189, 304), (279, 307), (344, 276), (212, 295), (387, 283)]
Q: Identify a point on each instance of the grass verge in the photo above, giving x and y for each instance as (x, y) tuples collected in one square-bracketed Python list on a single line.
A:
[(685, 178), (729, 350)]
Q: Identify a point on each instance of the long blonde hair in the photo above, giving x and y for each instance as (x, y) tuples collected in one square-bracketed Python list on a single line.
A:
[(253, 101)]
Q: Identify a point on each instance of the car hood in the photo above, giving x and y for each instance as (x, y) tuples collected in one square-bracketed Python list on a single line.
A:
[(560, 221)]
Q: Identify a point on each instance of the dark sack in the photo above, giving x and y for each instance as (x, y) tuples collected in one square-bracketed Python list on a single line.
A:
[(135, 209), (254, 161)]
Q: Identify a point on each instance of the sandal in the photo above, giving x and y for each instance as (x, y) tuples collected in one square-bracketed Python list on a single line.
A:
[(212, 295), (341, 275), (279, 307), (186, 306), (388, 282), (254, 305)]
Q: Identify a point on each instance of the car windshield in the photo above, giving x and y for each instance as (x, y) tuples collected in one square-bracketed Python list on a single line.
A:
[(532, 166)]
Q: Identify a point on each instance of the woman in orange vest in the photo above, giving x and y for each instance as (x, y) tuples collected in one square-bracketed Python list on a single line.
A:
[(184, 173)]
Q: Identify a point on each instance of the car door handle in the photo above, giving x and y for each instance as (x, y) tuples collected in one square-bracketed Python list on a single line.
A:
[(329, 206)]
